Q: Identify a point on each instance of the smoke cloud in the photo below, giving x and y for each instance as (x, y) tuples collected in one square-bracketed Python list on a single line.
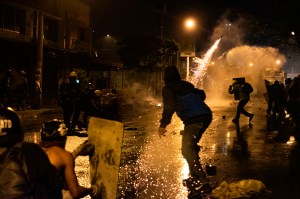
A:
[(234, 58)]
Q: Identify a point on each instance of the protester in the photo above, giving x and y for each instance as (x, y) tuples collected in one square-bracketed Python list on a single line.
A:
[(69, 92), (8, 87), (25, 170), (37, 92), (269, 97), (241, 89), (21, 90), (53, 135), (278, 95), (188, 102), (293, 106)]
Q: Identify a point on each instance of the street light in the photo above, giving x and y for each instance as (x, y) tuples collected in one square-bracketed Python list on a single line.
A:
[(189, 25)]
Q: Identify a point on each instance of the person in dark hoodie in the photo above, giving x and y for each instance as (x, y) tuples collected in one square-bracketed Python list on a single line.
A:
[(188, 102)]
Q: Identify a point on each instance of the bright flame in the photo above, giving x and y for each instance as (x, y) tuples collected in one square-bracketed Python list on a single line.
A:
[(200, 71)]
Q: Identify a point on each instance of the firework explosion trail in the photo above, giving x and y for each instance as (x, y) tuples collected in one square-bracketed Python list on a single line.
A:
[(200, 71)]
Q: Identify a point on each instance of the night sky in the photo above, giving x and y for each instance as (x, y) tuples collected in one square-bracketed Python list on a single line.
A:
[(124, 17)]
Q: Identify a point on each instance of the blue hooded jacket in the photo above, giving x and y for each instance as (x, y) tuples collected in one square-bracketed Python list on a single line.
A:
[(183, 98)]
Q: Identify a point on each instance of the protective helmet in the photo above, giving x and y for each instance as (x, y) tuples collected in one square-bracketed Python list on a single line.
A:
[(54, 130), (11, 127), (97, 93), (73, 74)]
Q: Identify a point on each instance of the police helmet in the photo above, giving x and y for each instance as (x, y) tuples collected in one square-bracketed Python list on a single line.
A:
[(54, 130), (97, 93), (11, 127)]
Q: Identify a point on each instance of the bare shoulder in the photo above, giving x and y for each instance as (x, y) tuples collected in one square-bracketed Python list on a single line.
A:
[(58, 155)]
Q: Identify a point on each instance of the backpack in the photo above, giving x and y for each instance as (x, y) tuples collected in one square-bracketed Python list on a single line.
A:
[(14, 182)]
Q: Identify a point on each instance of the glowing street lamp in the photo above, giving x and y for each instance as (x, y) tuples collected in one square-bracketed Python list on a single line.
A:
[(190, 25)]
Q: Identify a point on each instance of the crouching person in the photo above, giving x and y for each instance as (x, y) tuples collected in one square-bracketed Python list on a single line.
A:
[(53, 135), (25, 170)]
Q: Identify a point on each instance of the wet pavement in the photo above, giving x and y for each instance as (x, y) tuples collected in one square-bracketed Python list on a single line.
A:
[(153, 168)]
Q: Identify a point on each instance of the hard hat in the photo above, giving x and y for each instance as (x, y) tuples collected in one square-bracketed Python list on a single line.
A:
[(54, 130), (73, 74), (97, 92), (11, 127)]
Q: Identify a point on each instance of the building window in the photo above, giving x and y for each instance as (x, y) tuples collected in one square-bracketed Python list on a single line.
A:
[(12, 19), (50, 29)]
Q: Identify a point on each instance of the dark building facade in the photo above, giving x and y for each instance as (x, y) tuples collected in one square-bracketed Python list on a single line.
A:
[(45, 38)]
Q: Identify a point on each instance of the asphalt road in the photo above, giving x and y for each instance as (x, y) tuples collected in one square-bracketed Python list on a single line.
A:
[(152, 167)]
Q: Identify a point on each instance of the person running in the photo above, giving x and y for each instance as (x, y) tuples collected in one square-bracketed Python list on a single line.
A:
[(188, 102), (241, 89)]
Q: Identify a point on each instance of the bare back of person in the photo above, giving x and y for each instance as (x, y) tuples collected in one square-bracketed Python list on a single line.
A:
[(65, 164)]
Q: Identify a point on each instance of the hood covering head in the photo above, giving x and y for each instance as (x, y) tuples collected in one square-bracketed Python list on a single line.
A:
[(171, 74)]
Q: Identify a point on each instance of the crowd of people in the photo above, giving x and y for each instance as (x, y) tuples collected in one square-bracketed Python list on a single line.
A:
[(75, 98), (284, 103), (15, 90), (50, 173)]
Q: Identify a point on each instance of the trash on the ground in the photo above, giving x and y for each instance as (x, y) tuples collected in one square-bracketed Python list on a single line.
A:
[(224, 116), (210, 169), (239, 189)]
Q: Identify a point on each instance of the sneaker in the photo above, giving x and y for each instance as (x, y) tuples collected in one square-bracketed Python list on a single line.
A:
[(203, 187), (197, 186), (251, 117), (235, 120)]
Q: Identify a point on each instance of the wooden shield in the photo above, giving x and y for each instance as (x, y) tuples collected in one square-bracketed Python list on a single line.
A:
[(107, 136)]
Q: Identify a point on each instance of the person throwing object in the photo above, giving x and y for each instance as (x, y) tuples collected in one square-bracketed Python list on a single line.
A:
[(188, 102)]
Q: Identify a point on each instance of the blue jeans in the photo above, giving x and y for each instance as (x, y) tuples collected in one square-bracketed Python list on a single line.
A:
[(190, 148)]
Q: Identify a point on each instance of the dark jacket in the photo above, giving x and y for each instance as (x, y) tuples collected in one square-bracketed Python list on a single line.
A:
[(29, 174), (188, 103)]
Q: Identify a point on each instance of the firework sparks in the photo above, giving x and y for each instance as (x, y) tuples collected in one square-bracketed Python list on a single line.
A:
[(198, 74)]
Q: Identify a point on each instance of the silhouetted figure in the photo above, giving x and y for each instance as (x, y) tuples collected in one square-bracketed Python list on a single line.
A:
[(8, 87), (270, 97), (69, 92), (25, 168), (188, 102), (278, 95), (294, 105), (21, 90), (37, 93), (241, 89)]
